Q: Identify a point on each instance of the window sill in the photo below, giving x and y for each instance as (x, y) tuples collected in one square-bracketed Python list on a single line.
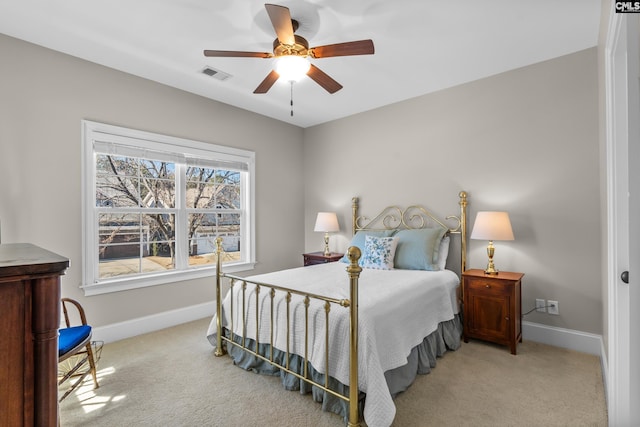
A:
[(117, 285)]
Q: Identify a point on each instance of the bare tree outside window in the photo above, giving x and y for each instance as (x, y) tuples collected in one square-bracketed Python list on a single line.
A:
[(213, 195), (138, 209)]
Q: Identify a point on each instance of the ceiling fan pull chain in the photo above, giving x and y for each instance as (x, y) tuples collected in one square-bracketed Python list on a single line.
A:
[(291, 98)]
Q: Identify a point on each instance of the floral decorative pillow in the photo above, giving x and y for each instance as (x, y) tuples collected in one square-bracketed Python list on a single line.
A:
[(379, 252), (360, 237)]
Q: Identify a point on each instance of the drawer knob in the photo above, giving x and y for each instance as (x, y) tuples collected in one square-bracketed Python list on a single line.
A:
[(487, 286)]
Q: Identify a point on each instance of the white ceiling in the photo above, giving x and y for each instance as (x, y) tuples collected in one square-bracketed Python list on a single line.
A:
[(421, 46)]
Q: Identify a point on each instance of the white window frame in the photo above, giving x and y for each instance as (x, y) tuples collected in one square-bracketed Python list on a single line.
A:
[(94, 133)]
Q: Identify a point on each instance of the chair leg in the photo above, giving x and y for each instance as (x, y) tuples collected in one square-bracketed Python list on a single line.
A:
[(92, 365), (88, 357), (73, 386)]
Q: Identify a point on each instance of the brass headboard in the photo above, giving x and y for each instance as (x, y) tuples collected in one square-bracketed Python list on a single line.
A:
[(415, 217)]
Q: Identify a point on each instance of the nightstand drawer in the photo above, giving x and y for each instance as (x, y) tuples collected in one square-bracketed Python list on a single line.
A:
[(487, 286)]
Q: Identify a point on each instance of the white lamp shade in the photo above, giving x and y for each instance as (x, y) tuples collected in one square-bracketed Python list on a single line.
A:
[(292, 68), (326, 222), (492, 226)]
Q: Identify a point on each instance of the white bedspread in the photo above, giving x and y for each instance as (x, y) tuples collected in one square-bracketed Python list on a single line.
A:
[(397, 309)]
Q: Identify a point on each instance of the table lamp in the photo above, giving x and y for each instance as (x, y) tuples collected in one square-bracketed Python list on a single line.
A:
[(492, 226), (326, 222)]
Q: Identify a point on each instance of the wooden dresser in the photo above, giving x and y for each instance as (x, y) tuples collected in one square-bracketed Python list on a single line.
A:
[(29, 320)]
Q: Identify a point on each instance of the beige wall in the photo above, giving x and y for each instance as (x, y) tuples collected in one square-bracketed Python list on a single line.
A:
[(43, 97), (524, 141)]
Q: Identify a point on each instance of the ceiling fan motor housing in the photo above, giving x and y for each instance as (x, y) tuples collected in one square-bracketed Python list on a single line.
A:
[(299, 48)]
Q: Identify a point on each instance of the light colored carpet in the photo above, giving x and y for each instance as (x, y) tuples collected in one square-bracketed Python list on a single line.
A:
[(172, 378)]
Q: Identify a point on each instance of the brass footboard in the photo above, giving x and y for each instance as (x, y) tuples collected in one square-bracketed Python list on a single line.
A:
[(353, 270)]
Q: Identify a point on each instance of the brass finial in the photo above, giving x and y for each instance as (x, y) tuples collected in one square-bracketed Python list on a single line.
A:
[(354, 253)]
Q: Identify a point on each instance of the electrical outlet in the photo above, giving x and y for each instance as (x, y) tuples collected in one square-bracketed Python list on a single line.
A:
[(553, 307), (540, 305)]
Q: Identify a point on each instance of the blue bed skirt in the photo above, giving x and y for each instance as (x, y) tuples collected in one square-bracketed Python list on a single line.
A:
[(420, 361)]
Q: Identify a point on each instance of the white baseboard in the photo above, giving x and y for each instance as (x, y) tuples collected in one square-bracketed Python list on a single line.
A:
[(155, 322), (566, 338)]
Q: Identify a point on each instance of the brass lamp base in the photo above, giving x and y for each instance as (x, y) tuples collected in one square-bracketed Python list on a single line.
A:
[(327, 252), (491, 269)]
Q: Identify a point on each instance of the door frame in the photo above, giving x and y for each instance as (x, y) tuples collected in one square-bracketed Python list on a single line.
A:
[(621, 99)]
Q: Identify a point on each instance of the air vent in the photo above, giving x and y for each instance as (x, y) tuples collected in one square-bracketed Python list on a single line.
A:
[(216, 74)]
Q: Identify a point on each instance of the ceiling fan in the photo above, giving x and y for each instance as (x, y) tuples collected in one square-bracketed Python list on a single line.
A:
[(292, 47)]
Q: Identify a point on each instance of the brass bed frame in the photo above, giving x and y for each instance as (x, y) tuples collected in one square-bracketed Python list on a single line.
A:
[(391, 218)]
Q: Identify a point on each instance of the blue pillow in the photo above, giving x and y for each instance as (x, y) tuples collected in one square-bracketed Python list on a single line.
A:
[(379, 252), (359, 238), (418, 249)]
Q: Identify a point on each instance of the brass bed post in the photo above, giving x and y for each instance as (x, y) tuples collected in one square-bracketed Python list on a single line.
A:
[(219, 349), (463, 230), (463, 238), (353, 253), (354, 215)]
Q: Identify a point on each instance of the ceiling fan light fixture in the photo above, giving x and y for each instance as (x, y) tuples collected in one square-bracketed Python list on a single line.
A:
[(292, 68), (291, 53)]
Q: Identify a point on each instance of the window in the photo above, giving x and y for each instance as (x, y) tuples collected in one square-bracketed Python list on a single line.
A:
[(154, 206)]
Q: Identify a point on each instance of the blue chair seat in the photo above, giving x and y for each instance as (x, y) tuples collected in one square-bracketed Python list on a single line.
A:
[(72, 337)]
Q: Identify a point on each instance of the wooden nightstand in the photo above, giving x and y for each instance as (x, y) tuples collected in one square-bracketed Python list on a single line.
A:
[(313, 258), (493, 307)]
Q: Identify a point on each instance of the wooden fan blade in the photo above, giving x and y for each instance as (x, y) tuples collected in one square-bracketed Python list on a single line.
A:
[(267, 82), (323, 79), (281, 21), (237, 54), (360, 47)]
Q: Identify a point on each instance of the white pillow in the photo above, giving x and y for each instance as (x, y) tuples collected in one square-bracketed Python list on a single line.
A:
[(379, 252), (443, 252)]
